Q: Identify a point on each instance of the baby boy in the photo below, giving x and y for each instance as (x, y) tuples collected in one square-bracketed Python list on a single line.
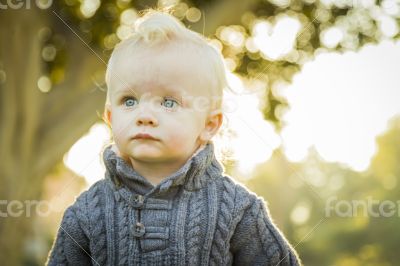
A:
[(165, 199)]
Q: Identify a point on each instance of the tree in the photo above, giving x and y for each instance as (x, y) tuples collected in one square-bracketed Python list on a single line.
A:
[(52, 64), (351, 218)]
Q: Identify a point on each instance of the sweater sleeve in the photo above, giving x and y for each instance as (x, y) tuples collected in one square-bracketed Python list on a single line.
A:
[(257, 240), (71, 246)]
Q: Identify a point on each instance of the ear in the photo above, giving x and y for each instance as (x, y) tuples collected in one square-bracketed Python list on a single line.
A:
[(107, 115), (212, 125)]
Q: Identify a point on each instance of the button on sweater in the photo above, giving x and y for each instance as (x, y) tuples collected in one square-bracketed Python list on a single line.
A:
[(196, 216)]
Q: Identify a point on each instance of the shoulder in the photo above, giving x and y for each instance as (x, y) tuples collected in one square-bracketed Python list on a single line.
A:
[(87, 206), (242, 197), (89, 200), (93, 193)]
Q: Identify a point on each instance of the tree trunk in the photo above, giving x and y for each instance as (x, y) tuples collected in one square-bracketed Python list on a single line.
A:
[(36, 128)]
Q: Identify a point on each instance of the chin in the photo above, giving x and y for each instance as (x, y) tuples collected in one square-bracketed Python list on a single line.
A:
[(145, 153)]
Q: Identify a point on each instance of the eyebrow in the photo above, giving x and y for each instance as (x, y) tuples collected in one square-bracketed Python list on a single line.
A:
[(131, 90), (125, 91)]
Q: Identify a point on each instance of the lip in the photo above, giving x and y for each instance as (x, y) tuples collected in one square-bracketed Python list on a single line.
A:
[(144, 136)]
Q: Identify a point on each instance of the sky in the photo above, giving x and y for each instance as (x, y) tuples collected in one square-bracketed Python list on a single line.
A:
[(339, 104)]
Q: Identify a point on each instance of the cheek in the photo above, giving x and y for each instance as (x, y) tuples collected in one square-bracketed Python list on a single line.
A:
[(180, 142), (176, 136), (120, 125), (183, 132)]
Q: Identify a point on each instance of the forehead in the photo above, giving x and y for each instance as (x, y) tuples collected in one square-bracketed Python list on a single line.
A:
[(150, 87), (176, 69)]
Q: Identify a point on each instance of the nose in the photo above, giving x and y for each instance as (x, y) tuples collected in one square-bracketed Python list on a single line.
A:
[(146, 118)]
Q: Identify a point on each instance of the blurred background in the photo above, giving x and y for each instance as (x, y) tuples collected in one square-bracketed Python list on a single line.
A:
[(312, 124)]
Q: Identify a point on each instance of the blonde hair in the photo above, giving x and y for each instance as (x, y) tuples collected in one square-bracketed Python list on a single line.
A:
[(156, 28)]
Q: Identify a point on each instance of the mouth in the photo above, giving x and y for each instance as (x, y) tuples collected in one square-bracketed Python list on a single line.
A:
[(144, 136)]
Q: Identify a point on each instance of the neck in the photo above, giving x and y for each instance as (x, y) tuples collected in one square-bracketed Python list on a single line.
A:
[(155, 172)]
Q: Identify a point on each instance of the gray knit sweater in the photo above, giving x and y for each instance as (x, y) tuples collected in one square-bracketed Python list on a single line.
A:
[(196, 216)]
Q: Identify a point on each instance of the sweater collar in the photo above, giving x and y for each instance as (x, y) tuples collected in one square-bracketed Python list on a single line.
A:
[(193, 174)]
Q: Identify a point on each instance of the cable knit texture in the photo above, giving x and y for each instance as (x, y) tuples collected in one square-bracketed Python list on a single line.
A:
[(196, 216)]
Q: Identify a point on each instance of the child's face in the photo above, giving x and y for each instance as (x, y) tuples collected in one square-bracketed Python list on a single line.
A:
[(164, 95)]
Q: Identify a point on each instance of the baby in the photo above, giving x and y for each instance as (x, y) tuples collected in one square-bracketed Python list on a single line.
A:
[(165, 199)]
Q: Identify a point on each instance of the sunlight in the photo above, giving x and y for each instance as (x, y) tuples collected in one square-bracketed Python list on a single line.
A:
[(254, 142), (275, 41), (340, 103), (255, 137), (84, 156)]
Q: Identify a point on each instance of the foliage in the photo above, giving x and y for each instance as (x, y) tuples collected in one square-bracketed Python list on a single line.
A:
[(337, 237), (237, 31)]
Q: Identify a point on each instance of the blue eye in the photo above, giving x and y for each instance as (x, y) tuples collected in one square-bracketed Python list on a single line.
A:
[(129, 102), (169, 103)]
